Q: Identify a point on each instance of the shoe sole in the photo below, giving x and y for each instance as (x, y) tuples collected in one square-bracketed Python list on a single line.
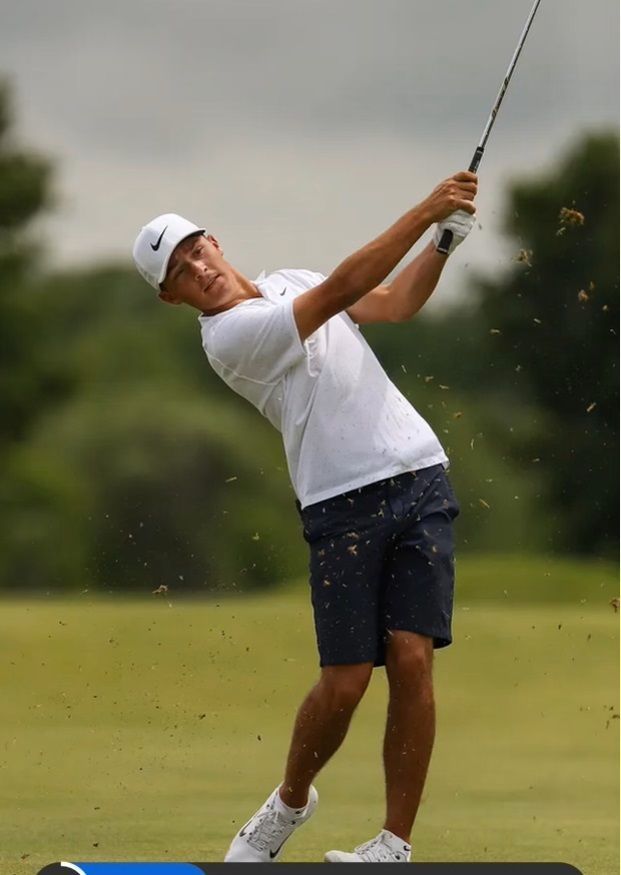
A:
[(336, 857)]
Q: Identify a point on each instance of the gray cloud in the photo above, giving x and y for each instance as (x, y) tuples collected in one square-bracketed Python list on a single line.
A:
[(301, 126)]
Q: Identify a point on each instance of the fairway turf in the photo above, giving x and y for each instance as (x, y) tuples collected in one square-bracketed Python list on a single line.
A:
[(151, 729)]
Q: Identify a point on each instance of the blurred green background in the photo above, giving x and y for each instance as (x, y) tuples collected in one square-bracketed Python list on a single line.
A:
[(127, 464)]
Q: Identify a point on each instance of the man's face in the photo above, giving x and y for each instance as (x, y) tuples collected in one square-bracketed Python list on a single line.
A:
[(198, 275)]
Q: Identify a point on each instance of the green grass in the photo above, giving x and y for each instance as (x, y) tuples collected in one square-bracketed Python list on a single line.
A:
[(150, 729), (535, 579)]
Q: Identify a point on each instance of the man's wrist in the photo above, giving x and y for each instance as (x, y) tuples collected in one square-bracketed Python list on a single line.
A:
[(424, 214), (431, 250)]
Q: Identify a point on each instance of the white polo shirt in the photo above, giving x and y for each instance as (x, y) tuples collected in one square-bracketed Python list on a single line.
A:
[(344, 424)]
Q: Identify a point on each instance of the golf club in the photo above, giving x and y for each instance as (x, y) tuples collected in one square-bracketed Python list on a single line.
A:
[(447, 236)]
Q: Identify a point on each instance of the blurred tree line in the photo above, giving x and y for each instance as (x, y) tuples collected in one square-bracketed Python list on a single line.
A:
[(127, 464)]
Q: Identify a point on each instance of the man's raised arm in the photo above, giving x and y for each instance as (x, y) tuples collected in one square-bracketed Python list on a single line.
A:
[(369, 266)]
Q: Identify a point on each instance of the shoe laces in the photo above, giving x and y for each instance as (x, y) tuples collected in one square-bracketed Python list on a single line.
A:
[(375, 851), (270, 826)]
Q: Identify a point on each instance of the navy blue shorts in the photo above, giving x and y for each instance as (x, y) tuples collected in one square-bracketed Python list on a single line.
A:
[(381, 558)]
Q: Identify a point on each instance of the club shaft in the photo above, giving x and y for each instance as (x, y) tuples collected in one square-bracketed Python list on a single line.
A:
[(507, 79), (447, 236)]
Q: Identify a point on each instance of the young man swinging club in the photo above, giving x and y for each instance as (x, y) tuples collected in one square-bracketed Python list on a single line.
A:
[(369, 474)]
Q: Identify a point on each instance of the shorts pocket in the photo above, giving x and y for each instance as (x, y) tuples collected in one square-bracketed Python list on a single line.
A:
[(453, 507), (328, 526)]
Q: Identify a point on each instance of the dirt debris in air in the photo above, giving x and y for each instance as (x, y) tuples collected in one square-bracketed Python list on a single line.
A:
[(614, 604), (524, 257), (584, 296), (162, 588), (570, 218)]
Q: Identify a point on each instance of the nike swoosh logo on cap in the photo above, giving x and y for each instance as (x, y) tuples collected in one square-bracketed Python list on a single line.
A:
[(156, 246)]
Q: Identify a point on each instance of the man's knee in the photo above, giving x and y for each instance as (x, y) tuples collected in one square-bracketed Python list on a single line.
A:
[(409, 658), (345, 685)]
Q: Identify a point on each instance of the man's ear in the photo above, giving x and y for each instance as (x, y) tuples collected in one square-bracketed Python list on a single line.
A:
[(163, 295), (215, 243)]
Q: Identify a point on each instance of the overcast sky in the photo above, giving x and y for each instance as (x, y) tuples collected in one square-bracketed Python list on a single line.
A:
[(295, 130)]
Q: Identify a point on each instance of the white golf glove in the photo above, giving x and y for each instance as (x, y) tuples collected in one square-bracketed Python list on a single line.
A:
[(460, 223)]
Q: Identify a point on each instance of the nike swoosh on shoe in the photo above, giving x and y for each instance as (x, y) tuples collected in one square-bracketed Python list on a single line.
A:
[(276, 852), (242, 831)]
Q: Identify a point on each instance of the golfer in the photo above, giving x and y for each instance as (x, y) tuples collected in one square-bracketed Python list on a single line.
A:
[(374, 500)]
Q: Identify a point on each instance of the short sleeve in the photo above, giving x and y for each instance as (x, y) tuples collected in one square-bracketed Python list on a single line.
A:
[(257, 341), (313, 278)]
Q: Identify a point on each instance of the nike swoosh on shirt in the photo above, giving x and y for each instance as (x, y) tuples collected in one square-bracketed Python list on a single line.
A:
[(156, 246), (283, 291)]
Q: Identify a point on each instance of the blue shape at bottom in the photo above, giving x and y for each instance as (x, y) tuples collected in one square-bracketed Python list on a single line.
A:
[(135, 868)]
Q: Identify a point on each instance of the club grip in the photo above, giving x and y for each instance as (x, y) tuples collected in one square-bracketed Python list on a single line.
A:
[(447, 237), (476, 159), (445, 242)]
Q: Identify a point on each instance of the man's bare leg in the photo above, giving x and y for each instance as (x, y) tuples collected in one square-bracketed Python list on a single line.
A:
[(321, 725), (410, 727)]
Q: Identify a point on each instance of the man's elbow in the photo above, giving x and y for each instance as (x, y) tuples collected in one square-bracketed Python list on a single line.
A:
[(395, 308), (402, 315)]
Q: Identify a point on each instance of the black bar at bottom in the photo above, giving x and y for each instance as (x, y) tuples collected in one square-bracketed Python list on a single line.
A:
[(304, 868), (421, 868)]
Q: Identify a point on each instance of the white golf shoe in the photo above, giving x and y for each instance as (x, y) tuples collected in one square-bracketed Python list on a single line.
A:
[(262, 839), (384, 848)]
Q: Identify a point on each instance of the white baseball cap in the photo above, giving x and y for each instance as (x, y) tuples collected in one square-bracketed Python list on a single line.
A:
[(156, 243)]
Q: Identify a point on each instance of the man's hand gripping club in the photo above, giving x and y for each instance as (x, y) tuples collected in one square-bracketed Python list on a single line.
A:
[(459, 192)]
